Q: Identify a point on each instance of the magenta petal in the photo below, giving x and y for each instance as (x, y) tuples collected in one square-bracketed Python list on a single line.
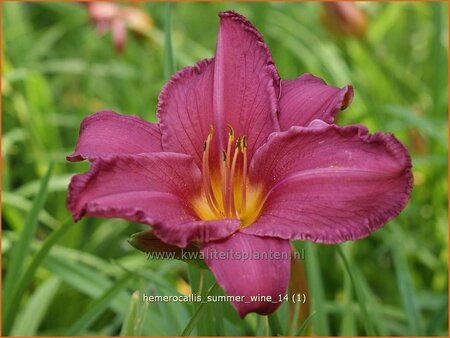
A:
[(185, 110), (330, 184), (246, 265), (181, 234), (236, 88), (154, 188), (105, 133), (244, 80), (307, 98)]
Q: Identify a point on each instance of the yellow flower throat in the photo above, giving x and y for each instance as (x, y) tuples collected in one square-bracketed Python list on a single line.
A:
[(227, 193)]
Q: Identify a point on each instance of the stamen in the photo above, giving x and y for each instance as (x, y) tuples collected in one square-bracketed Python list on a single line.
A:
[(223, 175), (209, 193), (232, 206), (224, 199), (226, 192), (230, 142), (226, 188), (244, 175), (230, 130)]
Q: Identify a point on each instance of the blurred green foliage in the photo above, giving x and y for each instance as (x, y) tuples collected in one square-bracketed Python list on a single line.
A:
[(57, 70)]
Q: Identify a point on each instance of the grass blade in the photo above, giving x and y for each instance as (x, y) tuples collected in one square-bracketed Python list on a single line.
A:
[(56, 183), (348, 322), (219, 319), (320, 321), (198, 313), (199, 285), (97, 307), (348, 325), (274, 324), (19, 288), (207, 325), (87, 280), (438, 320), (359, 295), (30, 318), (21, 248), (295, 315), (22, 204), (169, 65), (302, 330), (131, 320), (406, 289), (134, 320)]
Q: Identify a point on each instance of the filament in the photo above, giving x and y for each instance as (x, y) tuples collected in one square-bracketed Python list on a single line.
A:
[(232, 207), (244, 175), (210, 197)]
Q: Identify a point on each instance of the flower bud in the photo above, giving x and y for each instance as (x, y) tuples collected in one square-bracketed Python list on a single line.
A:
[(344, 18)]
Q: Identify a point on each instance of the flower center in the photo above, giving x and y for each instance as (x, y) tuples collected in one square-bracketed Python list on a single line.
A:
[(226, 191)]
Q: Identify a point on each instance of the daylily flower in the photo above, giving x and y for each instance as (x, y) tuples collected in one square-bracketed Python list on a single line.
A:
[(242, 161)]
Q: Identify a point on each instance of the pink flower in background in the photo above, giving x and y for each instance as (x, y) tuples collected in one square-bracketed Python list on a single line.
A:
[(242, 161), (108, 16), (344, 18)]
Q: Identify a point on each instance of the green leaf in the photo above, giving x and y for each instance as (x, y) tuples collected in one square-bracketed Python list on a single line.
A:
[(219, 319), (320, 321), (87, 280), (97, 307), (20, 287), (201, 281), (406, 288), (198, 313), (438, 320), (210, 324), (274, 324), (133, 323), (195, 276), (169, 315), (56, 183), (348, 325), (21, 248), (302, 330), (29, 319), (294, 316), (16, 201), (359, 295), (169, 65)]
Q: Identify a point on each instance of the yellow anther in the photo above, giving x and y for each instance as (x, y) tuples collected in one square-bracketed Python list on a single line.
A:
[(230, 131), (244, 143), (239, 143)]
